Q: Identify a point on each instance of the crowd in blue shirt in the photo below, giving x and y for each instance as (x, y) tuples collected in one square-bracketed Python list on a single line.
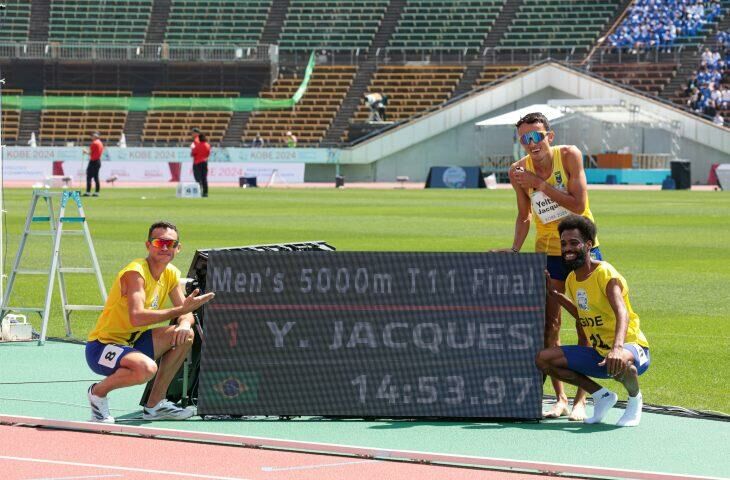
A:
[(708, 89), (659, 23)]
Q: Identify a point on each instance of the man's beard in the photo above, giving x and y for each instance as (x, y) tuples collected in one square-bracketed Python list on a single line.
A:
[(577, 262)]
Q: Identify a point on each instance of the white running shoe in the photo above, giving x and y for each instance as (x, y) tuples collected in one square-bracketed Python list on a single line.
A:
[(166, 410), (632, 415), (99, 408), (602, 403)]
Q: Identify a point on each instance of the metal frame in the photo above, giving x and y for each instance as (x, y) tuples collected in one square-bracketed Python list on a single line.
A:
[(444, 459), (56, 269)]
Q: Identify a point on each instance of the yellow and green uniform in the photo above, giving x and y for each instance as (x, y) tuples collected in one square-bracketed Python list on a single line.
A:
[(545, 211), (113, 325), (596, 317)]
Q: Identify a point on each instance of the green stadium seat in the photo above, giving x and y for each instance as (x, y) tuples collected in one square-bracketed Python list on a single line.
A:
[(558, 23), (211, 22), (15, 21), (342, 24), (454, 24), (109, 21)]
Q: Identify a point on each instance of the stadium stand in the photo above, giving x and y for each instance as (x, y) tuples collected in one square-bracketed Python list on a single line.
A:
[(10, 119), (337, 24), (445, 23), (77, 125), (216, 21), (558, 23), (15, 21), (314, 113), (412, 89), (94, 21), (649, 77), (174, 126), (493, 73)]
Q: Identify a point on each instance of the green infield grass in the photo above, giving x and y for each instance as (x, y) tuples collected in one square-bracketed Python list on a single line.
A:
[(672, 247)]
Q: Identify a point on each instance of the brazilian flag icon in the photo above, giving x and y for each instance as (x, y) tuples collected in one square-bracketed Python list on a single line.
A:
[(239, 387)]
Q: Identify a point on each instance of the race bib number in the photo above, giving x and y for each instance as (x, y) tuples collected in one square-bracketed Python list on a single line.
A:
[(110, 356), (642, 355), (546, 208)]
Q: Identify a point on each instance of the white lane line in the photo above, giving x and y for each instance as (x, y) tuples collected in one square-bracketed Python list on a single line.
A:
[(310, 467), (112, 467), (78, 478)]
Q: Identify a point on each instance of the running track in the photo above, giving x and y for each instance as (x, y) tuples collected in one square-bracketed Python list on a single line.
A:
[(43, 454)]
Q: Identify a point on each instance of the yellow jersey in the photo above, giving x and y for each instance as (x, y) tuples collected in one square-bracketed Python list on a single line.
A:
[(113, 325), (545, 211), (596, 317)]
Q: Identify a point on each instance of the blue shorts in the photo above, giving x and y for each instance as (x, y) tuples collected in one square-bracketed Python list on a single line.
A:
[(585, 360), (556, 267), (104, 358)]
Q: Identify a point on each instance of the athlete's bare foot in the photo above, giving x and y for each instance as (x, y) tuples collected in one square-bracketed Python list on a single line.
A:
[(578, 414), (560, 409)]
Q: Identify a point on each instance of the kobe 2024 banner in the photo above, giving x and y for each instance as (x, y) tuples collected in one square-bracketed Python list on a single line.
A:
[(373, 334)]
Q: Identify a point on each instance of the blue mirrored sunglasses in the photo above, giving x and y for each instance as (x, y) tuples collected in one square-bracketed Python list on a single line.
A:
[(534, 136)]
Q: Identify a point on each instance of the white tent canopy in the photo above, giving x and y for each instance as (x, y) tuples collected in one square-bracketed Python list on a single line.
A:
[(557, 111), (511, 118)]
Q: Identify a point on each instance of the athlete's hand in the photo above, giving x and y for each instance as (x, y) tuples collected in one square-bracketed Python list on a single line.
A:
[(614, 362), (180, 335), (527, 179), (549, 286), (193, 302)]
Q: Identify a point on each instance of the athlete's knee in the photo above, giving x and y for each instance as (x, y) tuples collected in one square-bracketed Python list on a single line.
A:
[(145, 371), (542, 360)]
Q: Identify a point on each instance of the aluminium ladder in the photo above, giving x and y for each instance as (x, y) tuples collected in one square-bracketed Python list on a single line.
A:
[(56, 231)]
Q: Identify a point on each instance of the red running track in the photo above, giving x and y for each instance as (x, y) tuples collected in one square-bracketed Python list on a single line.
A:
[(42, 454)]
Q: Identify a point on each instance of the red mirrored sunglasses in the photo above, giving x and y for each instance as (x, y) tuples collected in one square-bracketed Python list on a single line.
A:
[(164, 242)]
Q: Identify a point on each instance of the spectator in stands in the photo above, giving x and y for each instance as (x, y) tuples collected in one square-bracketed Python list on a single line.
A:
[(618, 349), (691, 84), (95, 151), (376, 102), (258, 142), (710, 109), (718, 120), (291, 139), (125, 343), (200, 154), (550, 184), (725, 97)]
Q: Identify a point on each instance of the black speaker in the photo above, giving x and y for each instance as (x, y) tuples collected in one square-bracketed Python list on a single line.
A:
[(247, 182), (681, 173), (339, 181)]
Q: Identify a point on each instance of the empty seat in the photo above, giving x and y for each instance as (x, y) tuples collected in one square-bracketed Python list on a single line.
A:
[(216, 21), (93, 21), (310, 119)]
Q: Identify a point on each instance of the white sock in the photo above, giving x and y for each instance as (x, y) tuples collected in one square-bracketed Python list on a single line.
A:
[(632, 415), (603, 400)]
